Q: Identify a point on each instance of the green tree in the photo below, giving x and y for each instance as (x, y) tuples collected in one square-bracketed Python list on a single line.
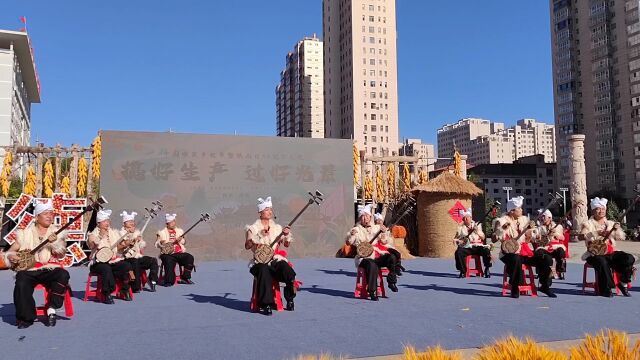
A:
[(15, 188)]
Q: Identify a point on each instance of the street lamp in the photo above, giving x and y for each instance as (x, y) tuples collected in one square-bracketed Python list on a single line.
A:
[(507, 189), (564, 198)]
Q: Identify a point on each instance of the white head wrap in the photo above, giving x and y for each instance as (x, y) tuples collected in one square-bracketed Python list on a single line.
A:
[(466, 212), (128, 217), (378, 216), (362, 210), (42, 207), (546, 213), (598, 202), (169, 217), (103, 215), (264, 203), (515, 202)]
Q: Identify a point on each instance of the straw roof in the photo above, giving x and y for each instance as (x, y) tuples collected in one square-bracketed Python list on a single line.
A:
[(448, 183)]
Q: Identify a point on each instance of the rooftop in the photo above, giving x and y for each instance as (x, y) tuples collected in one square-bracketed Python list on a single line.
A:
[(22, 49)]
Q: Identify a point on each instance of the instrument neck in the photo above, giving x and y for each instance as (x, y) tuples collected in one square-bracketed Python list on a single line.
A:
[(63, 228), (277, 239)]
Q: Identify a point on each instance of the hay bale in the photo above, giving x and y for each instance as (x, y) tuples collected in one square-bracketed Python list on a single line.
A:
[(436, 228)]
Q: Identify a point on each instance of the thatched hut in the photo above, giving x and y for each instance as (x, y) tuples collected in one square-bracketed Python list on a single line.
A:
[(436, 226)]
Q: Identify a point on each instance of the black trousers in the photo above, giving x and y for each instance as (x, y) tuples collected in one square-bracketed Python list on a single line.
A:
[(462, 253), (371, 267), (620, 261), (55, 280), (143, 264), (169, 263), (264, 276), (395, 253), (541, 260), (558, 255), (110, 272)]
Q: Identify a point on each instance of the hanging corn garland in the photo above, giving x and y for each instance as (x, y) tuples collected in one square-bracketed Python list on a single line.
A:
[(82, 177), (65, 186), (457, 163), (391, 181), (356, 166), (406, 178), (368, 187), (379, 185), (96, 156), (48, 179), (5, 183), (422, 177), (30, 183)]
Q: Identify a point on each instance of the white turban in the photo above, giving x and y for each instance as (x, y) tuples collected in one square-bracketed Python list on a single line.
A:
[(515, 202), (598, 203), (366, 209), (103, 215), (466, 212), (42, 207), (546, 213), (377, 216), (169, 217), (128, 217), (264, 203)]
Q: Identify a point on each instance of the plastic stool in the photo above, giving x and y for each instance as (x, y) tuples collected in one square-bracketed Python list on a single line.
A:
[(277, 297), (594, 284), (68, 305), (527, 287), (477, 270), (97, 292), (362, 286)]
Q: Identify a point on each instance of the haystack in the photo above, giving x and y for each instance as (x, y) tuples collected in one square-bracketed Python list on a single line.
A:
[(436, 227)]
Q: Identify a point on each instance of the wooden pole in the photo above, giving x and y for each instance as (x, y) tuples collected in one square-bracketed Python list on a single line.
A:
[(39, 165), (363, 174), (58, 178), (73, 171), (89, 178)]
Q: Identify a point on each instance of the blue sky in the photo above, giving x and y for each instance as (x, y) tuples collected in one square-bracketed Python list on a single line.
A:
[(212, 66)]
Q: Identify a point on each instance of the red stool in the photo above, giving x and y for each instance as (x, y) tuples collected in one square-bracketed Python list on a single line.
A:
[(68, 305), (477, 270), (143, 278), (161, 276), (277, 297), (527, 287), (97, 293), (362, 286), (594, 284)]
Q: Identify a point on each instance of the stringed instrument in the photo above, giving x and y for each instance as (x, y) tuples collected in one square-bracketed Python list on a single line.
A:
[(465, 241), (365, 248), (151, 214), (168, 247), (599, 246), (264, 253), (26, 258)]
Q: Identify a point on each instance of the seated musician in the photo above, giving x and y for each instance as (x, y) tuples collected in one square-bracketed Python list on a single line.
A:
[(390, 246), (134, 243), (46, 271), (104, 236), (364, 231), (596, 229), (263, 232), (513, 225), (173, 234), (551, 234), (470, 241)]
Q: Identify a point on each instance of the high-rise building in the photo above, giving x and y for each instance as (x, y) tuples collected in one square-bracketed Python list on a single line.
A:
[(425, 153), (299, 96), (361, 81), (486, 142), (19, 88), (596, 78)]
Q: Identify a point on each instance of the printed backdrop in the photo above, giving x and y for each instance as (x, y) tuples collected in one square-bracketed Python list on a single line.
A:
[(223, 176)]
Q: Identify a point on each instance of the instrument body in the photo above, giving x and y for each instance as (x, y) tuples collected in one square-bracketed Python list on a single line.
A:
[(599, 246), (467, 239), (151, 213), (365, 249), (26, 258)]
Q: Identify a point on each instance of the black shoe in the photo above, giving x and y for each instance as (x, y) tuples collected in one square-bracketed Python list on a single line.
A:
[(290, 305), (137, 291), (373, 296), (515, 294), (561, 276), (398, 272), (152, 287), (401, 268), (623, 290), (108, 299), (126, 296), (51, 320), (266, 311), (547, 291), (23, 324), (186, 282), (393, 287), (607, 294), (487, 273), (461, 275)]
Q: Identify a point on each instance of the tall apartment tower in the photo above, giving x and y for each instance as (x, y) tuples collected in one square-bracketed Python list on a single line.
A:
[(596, 79), (299, 96), (361, 81)]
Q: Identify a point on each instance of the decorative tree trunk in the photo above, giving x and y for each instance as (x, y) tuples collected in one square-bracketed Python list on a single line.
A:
[(578, 185), (73, 171)]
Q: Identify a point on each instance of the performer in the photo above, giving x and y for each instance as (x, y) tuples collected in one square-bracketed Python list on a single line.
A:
[(470, 241), (47, 271), (390, 246), (180, 255), (554, 233), (621, 262), (365, 231), (264, 231), (105, 236), (510, 226), (134, 243)]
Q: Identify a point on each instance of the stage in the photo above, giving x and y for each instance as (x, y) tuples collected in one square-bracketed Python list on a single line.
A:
[(211, 319)]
